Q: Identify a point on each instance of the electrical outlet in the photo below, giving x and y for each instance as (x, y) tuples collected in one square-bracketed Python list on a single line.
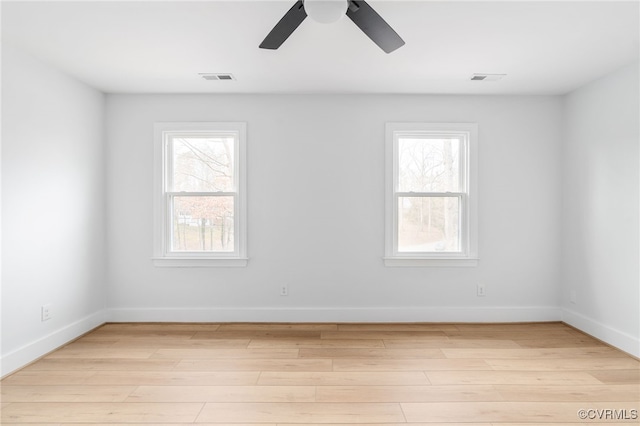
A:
[(482, 291), (284, 290), (45, 312)]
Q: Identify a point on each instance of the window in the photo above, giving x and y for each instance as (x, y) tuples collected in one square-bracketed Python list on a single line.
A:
[(431, 197), (200, 196)]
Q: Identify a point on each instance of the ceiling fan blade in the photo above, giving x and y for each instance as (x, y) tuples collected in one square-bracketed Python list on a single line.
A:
[(374, 26), (287, 25)]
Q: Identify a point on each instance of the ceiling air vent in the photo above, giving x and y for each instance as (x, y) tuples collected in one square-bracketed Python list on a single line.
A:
[(487, 77), (216, 76)]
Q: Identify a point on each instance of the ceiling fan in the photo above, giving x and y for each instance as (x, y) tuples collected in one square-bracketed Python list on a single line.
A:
[(327, 11)]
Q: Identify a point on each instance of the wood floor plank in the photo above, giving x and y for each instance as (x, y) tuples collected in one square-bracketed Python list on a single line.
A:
[(559, 393), (258, 334), (77, 393), (519, 326), (397, 327), (83, 343), (95, 353), (499, 412), (387, 424), (254, 365), (577, 332), (406, 393), (365, 364), (148, 424), (174, 378), (450, 343), (533, 353), (319, 343), (564, 364), (385, 335), (101, 412), (48, 378), (571, 342), (617, 377), (105, 334), (590, 423), (335, 353), (575, 378), (102, 364), (301, 412), (332, 378), (159, 326), (240, 353), (279, 327), (511, 335), (169, 343), (223, 394)]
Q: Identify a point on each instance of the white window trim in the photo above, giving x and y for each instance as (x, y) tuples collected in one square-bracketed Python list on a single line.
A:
[(469, 220), (161, 256)]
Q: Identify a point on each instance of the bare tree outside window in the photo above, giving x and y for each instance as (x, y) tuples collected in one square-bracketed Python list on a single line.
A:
[(428, 167), (431, 194), (202, 221), (200, 196)]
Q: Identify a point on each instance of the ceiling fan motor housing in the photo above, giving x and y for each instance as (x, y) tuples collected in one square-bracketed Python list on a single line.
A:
[(326, 11)]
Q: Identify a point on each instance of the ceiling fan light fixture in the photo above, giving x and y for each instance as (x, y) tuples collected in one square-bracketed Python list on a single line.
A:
[(359, 11), (487, 77), (216, 76), (326, 11)]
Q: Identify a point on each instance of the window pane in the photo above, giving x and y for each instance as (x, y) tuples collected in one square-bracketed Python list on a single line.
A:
[(202, 224), (428, 164), (428, 224), (203, 164)]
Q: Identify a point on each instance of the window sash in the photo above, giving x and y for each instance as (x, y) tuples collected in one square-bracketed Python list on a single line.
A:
[(164, 195), (466, 133), (461, 195), (462, 224), (170, 195), (168, 154), (427, 136), (169, 220), (463, 153)]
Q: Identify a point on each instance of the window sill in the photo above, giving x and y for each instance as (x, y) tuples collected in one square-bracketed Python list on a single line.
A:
[(199, 262), (429, 262)]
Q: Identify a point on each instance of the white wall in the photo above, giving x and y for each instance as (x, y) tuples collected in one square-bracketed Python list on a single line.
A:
[(600, 209), (316, 204), (53, 204)]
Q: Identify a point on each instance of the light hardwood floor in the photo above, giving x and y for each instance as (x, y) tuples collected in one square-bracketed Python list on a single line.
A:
[(539, 373)]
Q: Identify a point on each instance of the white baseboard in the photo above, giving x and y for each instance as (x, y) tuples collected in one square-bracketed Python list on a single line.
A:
[(20, 357), (607, 334), (375, 314)]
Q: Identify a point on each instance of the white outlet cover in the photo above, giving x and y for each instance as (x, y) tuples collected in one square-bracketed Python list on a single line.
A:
[(46, 312), (481, 290)]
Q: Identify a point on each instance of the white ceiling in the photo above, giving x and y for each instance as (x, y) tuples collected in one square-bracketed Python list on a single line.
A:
[(160, 47)]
